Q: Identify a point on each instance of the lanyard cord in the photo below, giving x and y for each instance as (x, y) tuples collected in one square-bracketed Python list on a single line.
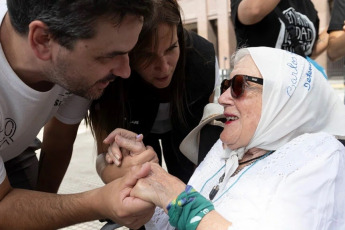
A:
[(211, 177), (256, 160)]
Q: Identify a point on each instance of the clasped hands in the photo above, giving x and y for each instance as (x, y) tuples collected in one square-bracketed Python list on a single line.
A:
[(127, 150)]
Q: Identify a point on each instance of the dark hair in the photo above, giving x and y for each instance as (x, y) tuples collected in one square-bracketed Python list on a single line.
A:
[(107, 112), (70, 20), (101, 119), (169, 13)]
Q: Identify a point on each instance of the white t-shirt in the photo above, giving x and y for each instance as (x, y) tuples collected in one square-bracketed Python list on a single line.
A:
[(24, 111), (300, 186)]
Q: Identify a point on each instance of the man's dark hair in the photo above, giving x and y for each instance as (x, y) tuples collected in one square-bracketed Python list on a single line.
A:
[(70, 20)]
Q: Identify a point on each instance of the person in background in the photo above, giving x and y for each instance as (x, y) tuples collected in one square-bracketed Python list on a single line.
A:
[(55, 57), (291, 25), (336, 30), (277, 164), (174, 72)]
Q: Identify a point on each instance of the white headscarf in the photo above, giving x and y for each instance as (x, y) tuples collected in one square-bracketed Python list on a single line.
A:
[(296, 99)]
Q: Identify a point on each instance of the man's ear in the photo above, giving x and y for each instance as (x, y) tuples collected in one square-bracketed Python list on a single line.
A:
[(40, 39)]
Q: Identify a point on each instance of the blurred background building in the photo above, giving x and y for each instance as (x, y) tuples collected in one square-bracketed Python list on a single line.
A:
[(211, 20)]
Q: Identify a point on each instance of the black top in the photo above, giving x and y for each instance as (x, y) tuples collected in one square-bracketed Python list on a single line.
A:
[(142, 103), (338, 16), (301, 13)]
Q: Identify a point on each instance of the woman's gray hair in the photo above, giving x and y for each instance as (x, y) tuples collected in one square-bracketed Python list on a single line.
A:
[(238, 55)]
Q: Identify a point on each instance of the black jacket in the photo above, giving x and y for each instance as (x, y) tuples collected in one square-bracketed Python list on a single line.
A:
[(142, 100)]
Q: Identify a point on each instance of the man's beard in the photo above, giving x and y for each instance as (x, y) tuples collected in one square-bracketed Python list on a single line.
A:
[(73, 81)]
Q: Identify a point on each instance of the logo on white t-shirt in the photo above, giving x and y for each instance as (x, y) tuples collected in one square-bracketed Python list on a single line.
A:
[(61, 98), (7, 130)]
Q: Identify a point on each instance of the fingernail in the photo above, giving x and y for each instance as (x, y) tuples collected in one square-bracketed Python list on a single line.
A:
[(117, 156), (138, 136)]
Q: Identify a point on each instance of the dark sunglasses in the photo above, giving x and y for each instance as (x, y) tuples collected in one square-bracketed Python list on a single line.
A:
[(238, 84)]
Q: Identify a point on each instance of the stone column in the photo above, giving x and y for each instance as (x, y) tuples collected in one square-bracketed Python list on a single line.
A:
[(203, 24), (225, 40)]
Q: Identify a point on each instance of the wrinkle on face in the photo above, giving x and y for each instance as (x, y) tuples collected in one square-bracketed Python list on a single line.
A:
[(247, 108)]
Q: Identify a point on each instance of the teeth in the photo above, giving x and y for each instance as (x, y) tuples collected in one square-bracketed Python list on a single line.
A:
[(231, 118)]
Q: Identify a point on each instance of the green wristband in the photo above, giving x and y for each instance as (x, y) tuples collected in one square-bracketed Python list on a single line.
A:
[(187, 210)]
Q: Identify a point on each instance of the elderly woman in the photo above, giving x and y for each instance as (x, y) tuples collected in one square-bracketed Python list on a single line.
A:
[(277, 164)]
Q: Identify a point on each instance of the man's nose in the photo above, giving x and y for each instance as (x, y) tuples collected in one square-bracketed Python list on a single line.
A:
[(121, 67)]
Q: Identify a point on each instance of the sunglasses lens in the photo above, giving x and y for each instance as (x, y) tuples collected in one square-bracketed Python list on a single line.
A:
[(225, 85), (237, 86)]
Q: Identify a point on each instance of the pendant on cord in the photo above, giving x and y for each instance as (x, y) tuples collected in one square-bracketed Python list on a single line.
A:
[(215, 188)]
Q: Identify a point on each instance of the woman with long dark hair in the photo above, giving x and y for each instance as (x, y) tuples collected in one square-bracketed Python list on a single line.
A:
[(173, 78)]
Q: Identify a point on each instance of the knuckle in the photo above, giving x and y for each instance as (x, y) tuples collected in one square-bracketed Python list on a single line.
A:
[(122, 214)]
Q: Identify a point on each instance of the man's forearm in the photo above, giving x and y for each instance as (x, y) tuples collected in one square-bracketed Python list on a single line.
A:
[(253, 11), (57, 147), (22, 209), (320, 45), (336, 45), (50, 177)]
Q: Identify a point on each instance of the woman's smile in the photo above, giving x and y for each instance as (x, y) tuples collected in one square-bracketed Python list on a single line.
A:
[(230, 118)]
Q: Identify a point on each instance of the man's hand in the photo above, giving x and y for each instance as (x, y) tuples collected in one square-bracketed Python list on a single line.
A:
[(120, 206), (40, 210)]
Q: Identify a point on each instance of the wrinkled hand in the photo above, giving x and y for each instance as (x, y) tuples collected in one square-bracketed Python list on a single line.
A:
[(130, 142), (117, 204), (149, 155), (132, 152), (159, 187)]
